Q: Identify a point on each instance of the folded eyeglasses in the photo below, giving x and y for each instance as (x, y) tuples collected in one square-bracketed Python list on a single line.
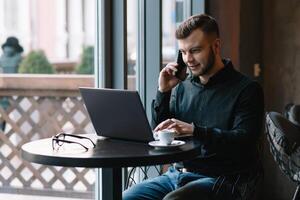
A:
[(59, 139)]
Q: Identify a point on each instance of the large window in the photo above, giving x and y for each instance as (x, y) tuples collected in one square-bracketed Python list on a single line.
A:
[(47, 52)]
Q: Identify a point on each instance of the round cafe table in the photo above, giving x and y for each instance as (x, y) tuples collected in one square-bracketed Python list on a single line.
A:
[(110, 155)]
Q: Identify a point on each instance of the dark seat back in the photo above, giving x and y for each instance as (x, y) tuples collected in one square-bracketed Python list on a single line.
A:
[(284, 138)]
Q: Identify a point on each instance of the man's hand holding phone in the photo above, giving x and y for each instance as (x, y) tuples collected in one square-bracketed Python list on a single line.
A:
[(172, 74)]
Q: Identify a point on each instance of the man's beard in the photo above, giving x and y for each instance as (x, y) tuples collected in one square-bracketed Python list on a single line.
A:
[(210, 63)]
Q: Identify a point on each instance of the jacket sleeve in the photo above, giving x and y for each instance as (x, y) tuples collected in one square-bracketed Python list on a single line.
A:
[(160, 107)]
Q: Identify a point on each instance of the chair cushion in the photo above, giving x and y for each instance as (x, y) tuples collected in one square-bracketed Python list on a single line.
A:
[(284, 138)]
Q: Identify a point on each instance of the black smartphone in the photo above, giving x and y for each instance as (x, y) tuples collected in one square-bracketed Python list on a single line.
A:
[(181, 66)]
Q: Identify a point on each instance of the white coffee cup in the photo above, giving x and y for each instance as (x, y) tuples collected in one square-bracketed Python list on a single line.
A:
[(165, 136)]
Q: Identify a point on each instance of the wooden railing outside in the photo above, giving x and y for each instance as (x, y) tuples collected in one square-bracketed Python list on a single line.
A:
[(40, 106)]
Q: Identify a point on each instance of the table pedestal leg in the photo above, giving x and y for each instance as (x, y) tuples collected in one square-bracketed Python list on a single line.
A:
[(109, 184)]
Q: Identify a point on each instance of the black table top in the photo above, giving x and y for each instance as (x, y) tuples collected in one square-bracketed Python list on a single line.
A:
[(108, 153)]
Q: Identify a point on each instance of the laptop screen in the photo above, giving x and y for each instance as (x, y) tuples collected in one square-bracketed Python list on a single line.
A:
[(117, 114)]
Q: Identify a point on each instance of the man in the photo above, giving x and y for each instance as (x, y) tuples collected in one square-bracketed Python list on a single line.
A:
[(218, 106)]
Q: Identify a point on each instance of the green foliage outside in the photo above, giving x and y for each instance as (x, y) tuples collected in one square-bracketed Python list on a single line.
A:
[(36, 63), (86, 65)]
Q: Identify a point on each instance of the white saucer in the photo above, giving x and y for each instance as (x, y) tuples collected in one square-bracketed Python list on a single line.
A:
[(158, 144)]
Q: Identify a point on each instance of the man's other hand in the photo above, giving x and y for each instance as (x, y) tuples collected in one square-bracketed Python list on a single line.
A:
[(180, 127)]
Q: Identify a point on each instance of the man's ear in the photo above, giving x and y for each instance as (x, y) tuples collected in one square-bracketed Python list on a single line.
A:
[(217, 46)]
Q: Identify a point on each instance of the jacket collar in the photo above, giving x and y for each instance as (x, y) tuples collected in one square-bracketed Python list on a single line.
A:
[(222, 75)]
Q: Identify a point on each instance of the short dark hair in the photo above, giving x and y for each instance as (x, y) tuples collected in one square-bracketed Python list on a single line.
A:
[(204, 22)]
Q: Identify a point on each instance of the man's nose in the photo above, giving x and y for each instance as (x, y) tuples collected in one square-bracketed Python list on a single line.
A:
[(189, 57)]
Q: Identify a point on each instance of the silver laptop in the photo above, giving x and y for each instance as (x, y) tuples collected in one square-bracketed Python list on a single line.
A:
[(117, 114)]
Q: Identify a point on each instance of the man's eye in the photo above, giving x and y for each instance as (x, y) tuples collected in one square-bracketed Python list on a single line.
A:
[(195, 50)]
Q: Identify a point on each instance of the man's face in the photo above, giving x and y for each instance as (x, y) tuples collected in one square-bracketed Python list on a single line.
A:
[(197, 52)]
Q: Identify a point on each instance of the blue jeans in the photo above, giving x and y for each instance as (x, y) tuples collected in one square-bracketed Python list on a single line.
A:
[(175, 185)]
